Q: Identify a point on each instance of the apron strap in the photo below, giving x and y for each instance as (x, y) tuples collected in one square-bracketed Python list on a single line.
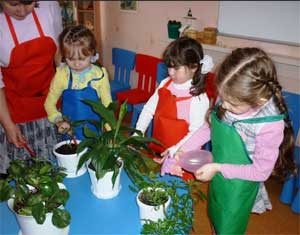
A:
[(70, 79), (13, 32), (167, 83), (273, 118), (11, 29), (177, 98), (89, 83), (38, 25), (96, 79), (183, 98)]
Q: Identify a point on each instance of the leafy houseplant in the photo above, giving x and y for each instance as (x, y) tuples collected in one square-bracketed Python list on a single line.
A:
[(128, 144), (36, 189), (117, 145), (178, 218)]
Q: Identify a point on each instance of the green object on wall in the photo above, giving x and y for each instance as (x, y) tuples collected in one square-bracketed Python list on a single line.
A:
[(173, 29)]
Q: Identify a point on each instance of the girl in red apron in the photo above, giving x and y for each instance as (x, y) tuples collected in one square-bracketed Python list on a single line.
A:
[(251, 136), (179, 104), (27, 67), (79, 79)]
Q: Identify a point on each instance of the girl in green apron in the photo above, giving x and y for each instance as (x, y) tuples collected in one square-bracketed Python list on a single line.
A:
[(79, 79), (251, 137)]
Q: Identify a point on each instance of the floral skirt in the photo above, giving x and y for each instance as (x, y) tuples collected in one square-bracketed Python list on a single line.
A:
[(41, 136)]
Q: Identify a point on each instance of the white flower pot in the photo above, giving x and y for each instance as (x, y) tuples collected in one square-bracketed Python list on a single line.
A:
[(28, 225), (103, 188), (69, 161), (153, 213)]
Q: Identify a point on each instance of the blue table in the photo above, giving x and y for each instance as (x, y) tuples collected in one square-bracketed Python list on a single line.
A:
[(90, 215)]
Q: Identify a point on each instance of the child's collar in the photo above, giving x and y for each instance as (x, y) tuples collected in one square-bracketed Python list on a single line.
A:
[(82, 72)]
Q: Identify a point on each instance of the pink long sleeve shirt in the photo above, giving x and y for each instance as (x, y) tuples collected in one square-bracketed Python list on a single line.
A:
[(264, 158)]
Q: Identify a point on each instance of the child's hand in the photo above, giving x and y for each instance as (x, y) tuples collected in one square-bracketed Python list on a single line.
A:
[(208, 171), (172, 152), (168, 153), (63, 127), (171, 166)]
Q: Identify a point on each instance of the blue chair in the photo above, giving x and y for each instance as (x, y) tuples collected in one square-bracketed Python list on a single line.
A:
[(162, 72), (290, 192), (124, 62)]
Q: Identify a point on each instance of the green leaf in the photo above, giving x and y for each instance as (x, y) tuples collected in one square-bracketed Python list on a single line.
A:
[(83, 159), (34, 199), (106, 114), (16, 168), (88, 133), (6, 191), (39, 213), (61, 218), (61, 197), (45, 169)]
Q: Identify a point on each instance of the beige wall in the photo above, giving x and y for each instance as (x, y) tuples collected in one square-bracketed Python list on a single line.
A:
[(145, 31)]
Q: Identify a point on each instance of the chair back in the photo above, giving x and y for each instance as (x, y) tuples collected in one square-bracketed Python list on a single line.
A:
[(146, 67), (210, 87), (162, 72), (293, 102), (124, 61)]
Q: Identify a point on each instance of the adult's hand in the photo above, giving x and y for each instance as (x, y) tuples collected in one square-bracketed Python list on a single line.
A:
[(12, 131), (14, 135)]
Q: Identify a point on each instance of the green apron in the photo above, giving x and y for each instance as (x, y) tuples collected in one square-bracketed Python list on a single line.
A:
[(231, 200)]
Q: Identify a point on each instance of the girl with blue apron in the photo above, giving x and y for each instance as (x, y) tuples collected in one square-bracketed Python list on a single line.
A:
[(231, 200), (75, 110)]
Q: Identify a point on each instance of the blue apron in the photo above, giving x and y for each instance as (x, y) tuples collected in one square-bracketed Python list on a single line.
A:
[(75, 110)]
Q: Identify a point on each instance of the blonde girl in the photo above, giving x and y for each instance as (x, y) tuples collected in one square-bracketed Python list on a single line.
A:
[(77, 80), (251, 136)]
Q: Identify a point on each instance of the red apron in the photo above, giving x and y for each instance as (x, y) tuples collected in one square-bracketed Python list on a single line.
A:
[(167, 128), (28, 75)]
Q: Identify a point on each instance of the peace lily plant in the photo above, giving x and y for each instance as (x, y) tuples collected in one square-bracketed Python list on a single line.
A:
[(113, 143), (120, 143)]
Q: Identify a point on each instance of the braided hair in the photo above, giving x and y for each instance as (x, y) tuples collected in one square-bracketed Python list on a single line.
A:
[(248, 75)]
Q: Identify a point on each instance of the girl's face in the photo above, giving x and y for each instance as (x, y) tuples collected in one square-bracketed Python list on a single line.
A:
[(17, 10), (235, 107), (181, 74), (78, 64)]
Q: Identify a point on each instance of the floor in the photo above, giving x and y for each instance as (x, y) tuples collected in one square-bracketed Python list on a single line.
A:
[(280, 220)]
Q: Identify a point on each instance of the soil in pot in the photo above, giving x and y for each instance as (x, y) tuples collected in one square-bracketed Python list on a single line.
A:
[(67, 149), (153, 197)]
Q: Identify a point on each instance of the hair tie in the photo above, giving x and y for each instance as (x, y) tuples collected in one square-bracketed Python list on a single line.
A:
[(95, 58), (207, 64)]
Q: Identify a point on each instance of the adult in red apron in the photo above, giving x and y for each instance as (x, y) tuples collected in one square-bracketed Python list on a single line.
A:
[(27, 78), (28, 75), (75, 110), (167, 128), (231, 200)]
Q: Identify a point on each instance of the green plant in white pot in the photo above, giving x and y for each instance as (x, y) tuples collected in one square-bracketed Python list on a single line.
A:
[(166, 206), (112, 149), (34, 191)]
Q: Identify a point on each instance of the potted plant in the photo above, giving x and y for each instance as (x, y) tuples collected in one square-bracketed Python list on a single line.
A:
[(153, 201), (111, 149), (66, 152), (68, 158), (34, 192), (173, 200)]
